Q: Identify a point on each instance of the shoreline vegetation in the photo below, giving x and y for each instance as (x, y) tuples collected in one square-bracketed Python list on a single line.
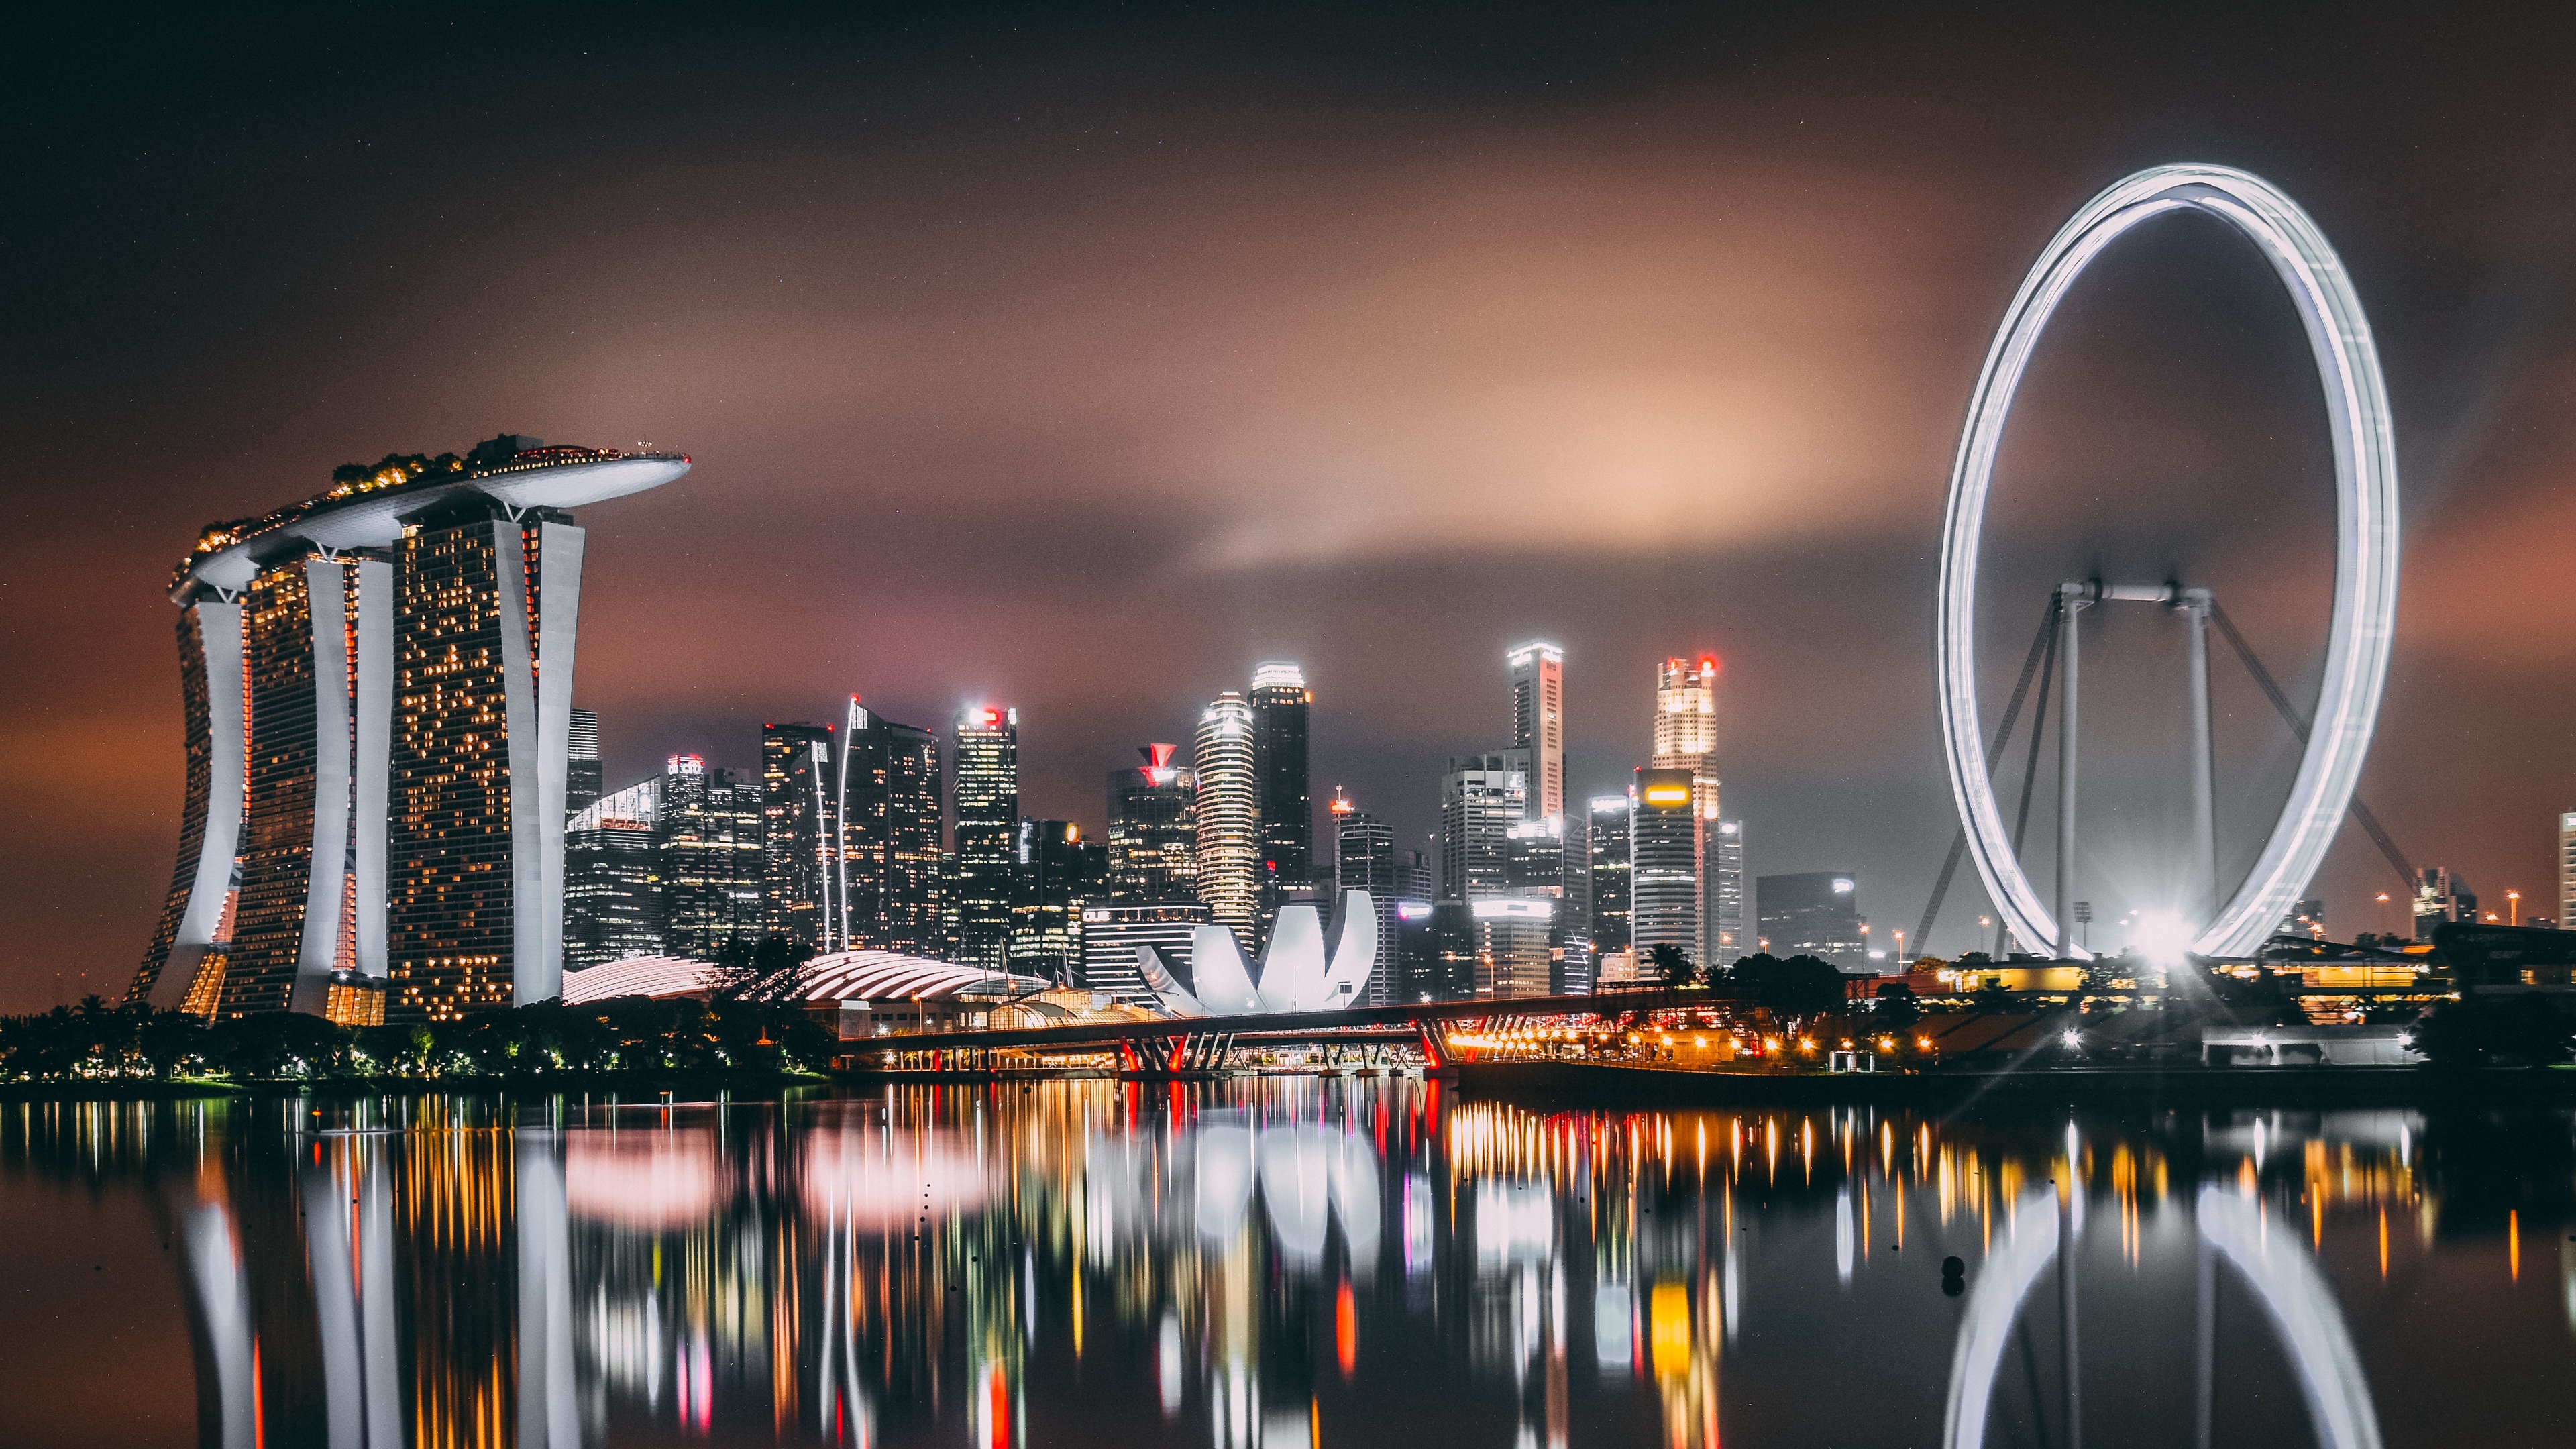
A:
[(751, 1043), (100, 1049)]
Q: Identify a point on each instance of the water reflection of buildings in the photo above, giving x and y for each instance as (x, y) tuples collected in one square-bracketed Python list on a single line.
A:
[(1258, 1264)]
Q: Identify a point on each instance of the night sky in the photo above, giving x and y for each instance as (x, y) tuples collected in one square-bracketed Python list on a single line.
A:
[(1079, 360)]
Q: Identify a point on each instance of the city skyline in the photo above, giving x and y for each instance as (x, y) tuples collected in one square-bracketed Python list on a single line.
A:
[(1664, 406)]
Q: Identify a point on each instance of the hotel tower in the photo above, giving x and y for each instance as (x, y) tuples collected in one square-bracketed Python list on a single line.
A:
[(377, 685)]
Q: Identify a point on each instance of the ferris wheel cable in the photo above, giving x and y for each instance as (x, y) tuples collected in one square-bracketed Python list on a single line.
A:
[(2003, 733), (2038, 728), (2290, 716)]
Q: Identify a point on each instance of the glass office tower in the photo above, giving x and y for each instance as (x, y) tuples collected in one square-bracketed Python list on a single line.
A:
[(887, 795), (613, 878), (987, 752), (714, 871)]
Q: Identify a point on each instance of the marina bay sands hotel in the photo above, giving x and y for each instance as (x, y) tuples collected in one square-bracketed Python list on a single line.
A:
[(378, 690)]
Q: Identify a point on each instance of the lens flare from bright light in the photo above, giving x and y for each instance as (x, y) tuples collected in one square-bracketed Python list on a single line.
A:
[(2161, 936)]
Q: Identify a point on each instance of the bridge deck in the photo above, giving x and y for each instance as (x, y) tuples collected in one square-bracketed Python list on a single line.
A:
[(1295, 1025)]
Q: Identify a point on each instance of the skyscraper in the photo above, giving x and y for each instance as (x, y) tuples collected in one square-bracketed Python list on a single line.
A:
[(1154, 832), (1229, 820), (1282, 792), (1664, 876), (887, 787), (1061, 876), (582, 779), (988, 826), (1610, 873), (1481, 798), (1686, 739), (713, 865), (1538, 722), (1815, 913), (1364, 860), (1547, 861), (800, 836), (2567, 871), (1726, 846), (613, 878), (373, 752)]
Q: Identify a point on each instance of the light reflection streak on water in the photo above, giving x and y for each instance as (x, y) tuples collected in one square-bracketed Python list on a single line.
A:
[(834, 1267)]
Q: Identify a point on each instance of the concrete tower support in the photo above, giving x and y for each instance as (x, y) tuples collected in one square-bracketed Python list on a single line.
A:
[(326, 887), (212, 683), (373, 700), (538, 674)]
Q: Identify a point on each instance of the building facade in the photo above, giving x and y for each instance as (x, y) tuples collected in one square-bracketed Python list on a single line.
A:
[(1686, 739), (2441, 897), (1283, 791), (1538, 722), (1229, 816), (1725, 844), (1664, 873), (1815, 913), (987, 752), (583, 782), (886, 789), (714, 867), (2567, 871), (800, 836), (1111, 934), (613, 906), (1611, 870), (377, 766), (1364, 860), (1061, 876), (1154, 832), (1481, 798)]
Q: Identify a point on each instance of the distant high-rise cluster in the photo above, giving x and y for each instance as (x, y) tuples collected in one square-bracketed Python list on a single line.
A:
[(394, 811), (1514, 915)]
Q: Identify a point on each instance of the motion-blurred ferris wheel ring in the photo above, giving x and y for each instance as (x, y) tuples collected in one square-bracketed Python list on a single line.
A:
[(2365, 598)]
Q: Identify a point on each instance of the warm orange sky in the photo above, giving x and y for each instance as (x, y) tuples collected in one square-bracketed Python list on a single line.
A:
[(1082, 363)]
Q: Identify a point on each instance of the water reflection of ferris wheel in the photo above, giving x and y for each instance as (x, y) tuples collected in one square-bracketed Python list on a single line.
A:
[(2046, 1230)]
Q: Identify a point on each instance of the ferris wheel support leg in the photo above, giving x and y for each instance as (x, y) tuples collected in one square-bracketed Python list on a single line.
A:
[(2205, 1339), (2194, 605), (2072, 599)]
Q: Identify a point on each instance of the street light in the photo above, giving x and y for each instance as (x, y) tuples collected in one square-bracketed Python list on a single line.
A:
[(2514, 900), (2383, 900)]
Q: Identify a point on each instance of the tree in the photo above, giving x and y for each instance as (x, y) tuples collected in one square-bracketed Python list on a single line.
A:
[(171, 1041), (1897, 1008), (771, 971), (1799, 986), (1674, 967)]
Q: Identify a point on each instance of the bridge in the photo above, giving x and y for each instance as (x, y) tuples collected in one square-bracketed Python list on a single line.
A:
[(1203, 1043)]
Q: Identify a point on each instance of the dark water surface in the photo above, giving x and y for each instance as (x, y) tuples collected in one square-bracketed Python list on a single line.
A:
[(1295, 1261)]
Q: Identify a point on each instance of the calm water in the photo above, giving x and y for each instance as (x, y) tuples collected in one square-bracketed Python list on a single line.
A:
[(1289, 1262)]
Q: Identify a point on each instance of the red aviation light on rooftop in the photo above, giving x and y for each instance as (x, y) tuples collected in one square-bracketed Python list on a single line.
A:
[(1341, 804)]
